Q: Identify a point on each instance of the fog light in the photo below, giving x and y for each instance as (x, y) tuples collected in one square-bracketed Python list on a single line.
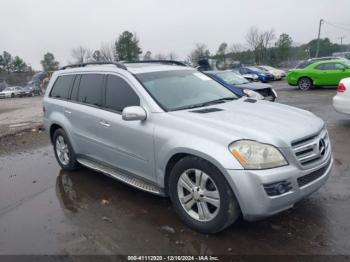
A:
[(278, 188)]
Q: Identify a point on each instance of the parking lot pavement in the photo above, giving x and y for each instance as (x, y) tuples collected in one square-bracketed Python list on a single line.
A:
[(44, 210), (18, 114)]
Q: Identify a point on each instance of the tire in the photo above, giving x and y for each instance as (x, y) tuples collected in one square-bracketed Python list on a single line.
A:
[(217, 217), (12, 95), (64, 152), (305, 83)]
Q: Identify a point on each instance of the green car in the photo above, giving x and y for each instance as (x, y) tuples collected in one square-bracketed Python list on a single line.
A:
[(319, 73)]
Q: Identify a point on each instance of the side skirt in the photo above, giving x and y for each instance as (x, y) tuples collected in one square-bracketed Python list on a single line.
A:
[(122, 176)]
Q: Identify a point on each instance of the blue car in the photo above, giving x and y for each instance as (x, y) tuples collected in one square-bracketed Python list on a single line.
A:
[(241, 86), (263, 76), (237, 91)]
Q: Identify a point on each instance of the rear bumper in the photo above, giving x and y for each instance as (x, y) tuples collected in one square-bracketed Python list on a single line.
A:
[(254, 201), (341, 104)]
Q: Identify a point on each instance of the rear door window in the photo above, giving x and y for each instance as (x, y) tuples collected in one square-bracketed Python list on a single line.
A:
[(62, 86), (90, 89), (119, 94)]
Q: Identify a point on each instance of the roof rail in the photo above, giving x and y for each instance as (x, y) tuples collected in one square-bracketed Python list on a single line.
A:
[(119, 65), (166, 62)]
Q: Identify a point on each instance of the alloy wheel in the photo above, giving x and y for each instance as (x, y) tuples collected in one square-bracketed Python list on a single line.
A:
[(62, 150), (198, 195)]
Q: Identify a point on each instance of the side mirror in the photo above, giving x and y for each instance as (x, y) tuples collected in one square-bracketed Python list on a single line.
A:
[(134, 113)]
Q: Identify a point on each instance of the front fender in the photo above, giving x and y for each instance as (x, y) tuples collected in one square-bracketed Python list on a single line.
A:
[(215, 153)]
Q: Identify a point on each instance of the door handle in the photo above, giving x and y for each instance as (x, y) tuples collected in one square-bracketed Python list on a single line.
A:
[(104, 123), (67, 111)]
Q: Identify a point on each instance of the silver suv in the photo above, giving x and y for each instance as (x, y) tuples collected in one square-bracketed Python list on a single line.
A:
[(173, 131)]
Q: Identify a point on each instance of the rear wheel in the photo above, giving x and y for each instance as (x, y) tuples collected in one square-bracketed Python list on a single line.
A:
[(305, 83), (64, 152), (201, 195)]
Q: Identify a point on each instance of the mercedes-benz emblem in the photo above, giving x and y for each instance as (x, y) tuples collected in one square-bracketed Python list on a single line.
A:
[(322, 147)]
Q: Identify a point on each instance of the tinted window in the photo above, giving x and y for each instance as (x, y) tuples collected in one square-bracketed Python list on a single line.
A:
[(330, 66), (62, 86), (90, 89), (74, 92), (119, 94)]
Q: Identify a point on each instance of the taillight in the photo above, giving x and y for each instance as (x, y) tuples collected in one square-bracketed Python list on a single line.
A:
[(341, 88)]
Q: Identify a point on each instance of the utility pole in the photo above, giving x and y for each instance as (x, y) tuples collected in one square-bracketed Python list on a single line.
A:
[(341, 41), (318, 38)]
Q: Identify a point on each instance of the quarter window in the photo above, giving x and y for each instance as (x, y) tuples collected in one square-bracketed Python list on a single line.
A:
[(90, 89), (62, 86), (119, 94)]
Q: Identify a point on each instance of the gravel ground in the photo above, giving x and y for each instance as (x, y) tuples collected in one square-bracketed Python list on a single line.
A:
[(18, 114)]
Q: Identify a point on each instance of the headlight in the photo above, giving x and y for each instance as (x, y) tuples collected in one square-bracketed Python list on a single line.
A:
[(255, 155), (253, 94)]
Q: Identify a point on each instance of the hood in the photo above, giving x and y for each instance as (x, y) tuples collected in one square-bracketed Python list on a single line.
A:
[(254, 86), (262, 121)]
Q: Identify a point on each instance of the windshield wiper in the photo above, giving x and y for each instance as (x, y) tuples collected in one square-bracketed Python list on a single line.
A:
[(217, 101)]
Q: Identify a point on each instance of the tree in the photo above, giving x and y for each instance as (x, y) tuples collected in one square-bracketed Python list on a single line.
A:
[(106, 52), (284, 45), (96, 56), (7, 61), (200, 52), (172, 56), (160, 57), (326, 47), (127, 47), (19, 65), (221, 55), (49, 63), (81, 54), (147, 56), (259, 42)]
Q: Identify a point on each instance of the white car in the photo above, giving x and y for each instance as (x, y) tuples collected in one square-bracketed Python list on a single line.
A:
[(341, 102), (277, 73), (11, 91)]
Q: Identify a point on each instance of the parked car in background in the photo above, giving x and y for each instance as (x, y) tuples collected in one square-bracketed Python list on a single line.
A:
[(30, 91), (326, 72), (341, 101), (236, 81), (250, 77), (264, 77), (277, 73), (174, 131), (11, 91)]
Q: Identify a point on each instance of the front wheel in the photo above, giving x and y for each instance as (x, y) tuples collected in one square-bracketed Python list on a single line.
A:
[(64, 152), (201, 195), (305, 83)]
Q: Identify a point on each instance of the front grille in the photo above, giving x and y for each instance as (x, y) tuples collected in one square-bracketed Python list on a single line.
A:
[(304, 180), (311, 149)]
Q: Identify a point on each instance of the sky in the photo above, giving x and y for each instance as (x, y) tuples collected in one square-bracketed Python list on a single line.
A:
[(30, 28)]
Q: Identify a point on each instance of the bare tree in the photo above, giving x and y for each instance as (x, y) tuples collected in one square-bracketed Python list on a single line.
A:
[(160, 57), (259, 42), (172, 56), (200, 52), (106, 52), (81, 54)]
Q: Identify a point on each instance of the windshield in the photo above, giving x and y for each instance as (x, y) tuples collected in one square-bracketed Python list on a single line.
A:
[(8, 89), (255, 69), (181, 89), (232, 78)]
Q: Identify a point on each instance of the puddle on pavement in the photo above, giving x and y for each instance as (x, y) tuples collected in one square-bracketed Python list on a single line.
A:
[(44, 210)]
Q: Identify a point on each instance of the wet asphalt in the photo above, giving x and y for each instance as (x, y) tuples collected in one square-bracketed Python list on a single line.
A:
[(44, 210)]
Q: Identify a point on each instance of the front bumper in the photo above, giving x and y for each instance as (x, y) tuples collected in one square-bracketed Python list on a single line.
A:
[(254, 201)]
